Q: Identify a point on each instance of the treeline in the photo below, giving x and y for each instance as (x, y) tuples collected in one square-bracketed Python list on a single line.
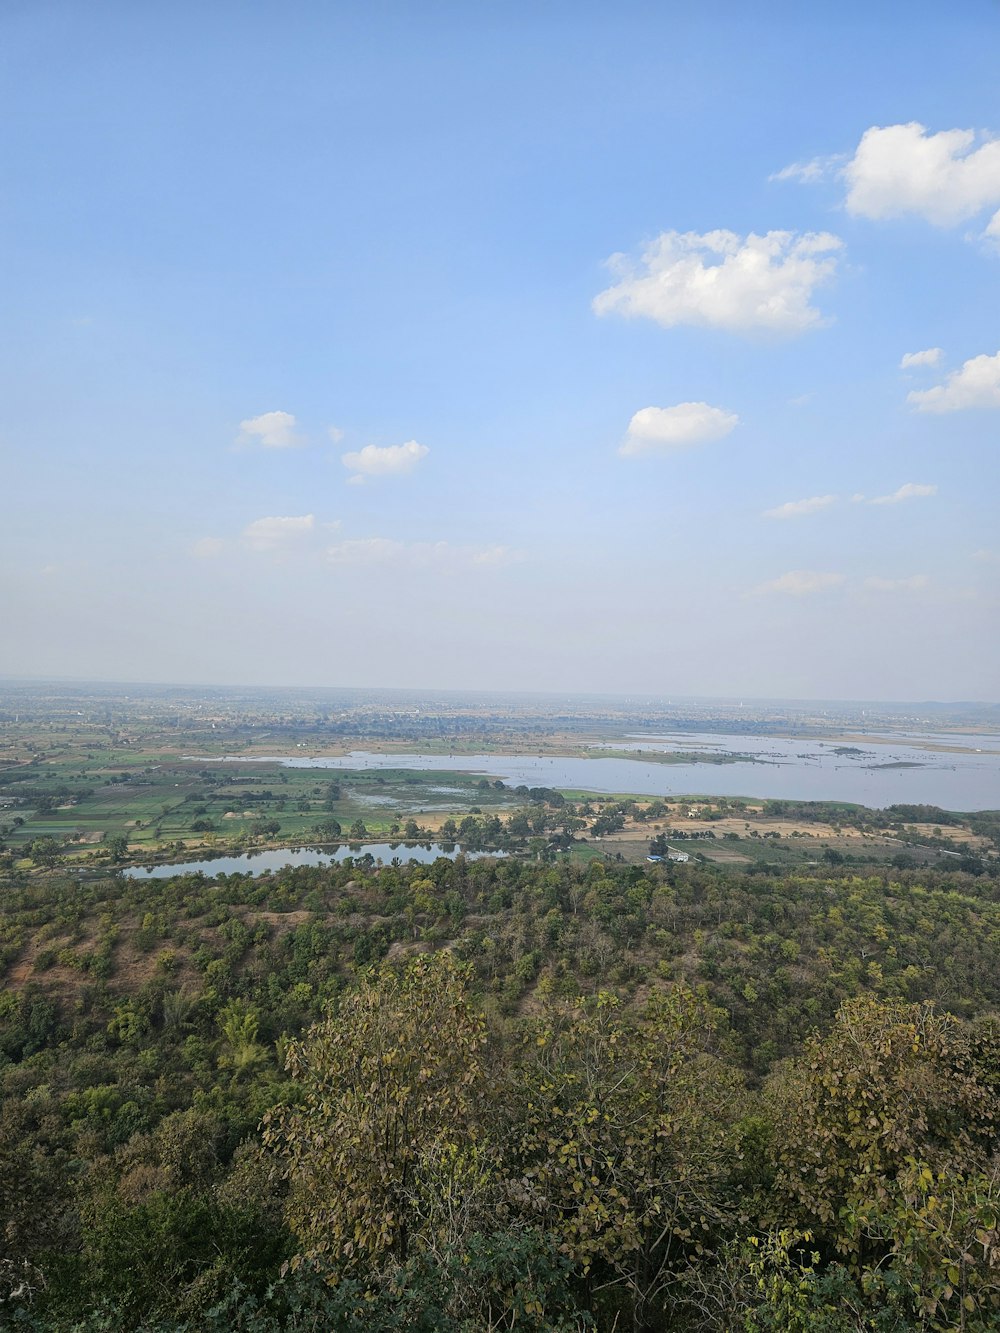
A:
[(497, 1094)]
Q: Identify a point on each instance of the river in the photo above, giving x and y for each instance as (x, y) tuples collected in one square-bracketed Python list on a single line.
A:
[(876, 770)]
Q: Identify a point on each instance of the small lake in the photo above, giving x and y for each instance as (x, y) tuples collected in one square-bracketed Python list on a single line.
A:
[(278, 858), (877, 770)]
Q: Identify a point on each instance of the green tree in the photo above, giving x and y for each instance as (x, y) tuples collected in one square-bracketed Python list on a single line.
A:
[(44, 851), (388, 1088), (629, 1137), (891, 1085)]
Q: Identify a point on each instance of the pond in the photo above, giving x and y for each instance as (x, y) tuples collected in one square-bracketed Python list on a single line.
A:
[(277, 858)]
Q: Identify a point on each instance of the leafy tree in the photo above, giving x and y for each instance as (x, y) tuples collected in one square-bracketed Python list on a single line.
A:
[(44, 851), (629, 1137), (387, 1089), (892, 1084)]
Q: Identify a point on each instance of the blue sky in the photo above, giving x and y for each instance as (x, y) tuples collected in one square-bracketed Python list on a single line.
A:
[(317, 367)]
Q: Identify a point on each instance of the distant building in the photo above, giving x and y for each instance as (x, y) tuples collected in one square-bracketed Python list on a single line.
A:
[(678, 856)]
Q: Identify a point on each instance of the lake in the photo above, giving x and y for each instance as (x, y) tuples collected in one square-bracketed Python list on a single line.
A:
[(277, 858), (878, 770)]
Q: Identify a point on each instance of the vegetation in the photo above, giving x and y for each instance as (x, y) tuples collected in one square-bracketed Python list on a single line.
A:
[(581, 1085), (501, 1094)]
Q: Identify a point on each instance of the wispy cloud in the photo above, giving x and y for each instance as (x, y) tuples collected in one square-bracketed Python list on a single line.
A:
[(800, 583), (273, 533), (207, 548), (976, 384), (271, 430), (809, 173), (914, 583), (722, 280), (910, 490), (443, 555), (798, 508), (913, 360), (664, 430), (392, 460)]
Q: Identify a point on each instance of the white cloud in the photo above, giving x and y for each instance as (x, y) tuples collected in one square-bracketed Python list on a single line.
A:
[(496, 556), (335, 434), (795, 508), (930, 357), (801, 583), (273, 430), (914, 583), (268, 534), (392, 460), (423, 555), (365, 551), (816, 169), (911, 490), (724, 281), (664, 430), (944, 178), (977, 384), (205, 548)]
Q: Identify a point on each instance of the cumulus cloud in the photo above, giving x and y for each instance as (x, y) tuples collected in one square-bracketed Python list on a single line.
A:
[(385, 551), (976, 384), (721, 280), (800, 583), (914, 583), (910, 490), (391, 461), (269, 534), (664, 430), (271, 430), (929, 357), (945, 177), (796, 508), (205, 548)]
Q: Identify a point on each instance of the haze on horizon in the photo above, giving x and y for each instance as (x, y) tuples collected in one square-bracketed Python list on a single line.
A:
[(514, 347)]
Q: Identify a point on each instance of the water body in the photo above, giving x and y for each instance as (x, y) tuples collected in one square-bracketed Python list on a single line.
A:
[(258, 863), (887, 771)]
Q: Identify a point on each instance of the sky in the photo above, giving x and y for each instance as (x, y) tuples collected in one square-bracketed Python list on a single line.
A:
[(524, 346)]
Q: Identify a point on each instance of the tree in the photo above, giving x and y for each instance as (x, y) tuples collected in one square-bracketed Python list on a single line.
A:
[(891, 1086), (388, 1092), (44, 851), (629, 1137)]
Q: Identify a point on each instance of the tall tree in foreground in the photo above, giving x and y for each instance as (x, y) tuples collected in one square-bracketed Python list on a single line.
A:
[(630, 1139), (887, 1149), (390, 1085)]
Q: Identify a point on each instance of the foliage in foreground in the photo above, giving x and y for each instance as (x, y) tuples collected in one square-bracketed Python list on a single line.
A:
[(442, 1150)]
